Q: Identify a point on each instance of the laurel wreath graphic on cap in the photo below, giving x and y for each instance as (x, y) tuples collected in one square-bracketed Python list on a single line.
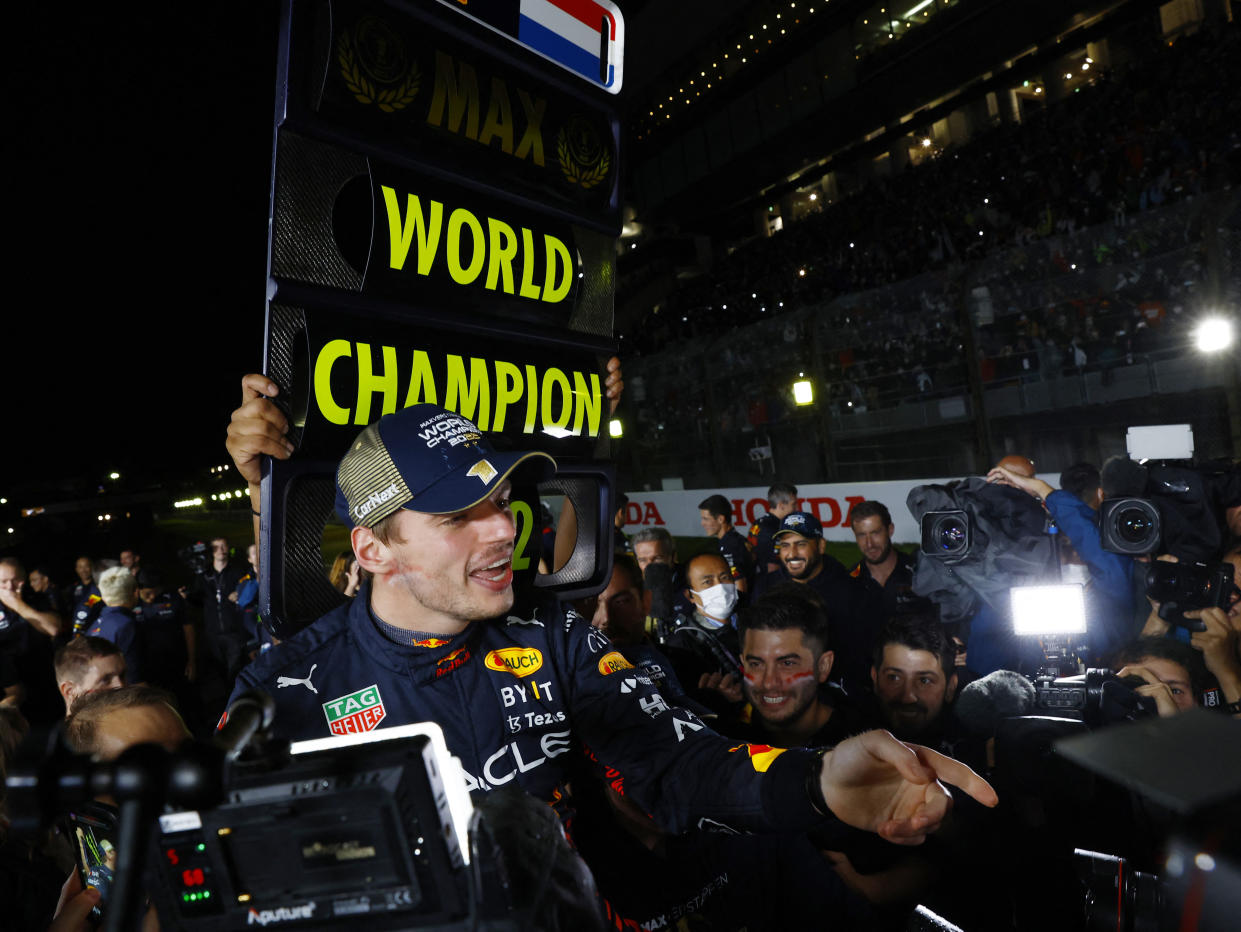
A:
[(363, 89), (586, 176)]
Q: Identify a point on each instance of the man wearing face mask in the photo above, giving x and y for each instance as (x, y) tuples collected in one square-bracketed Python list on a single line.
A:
[(704, 646)]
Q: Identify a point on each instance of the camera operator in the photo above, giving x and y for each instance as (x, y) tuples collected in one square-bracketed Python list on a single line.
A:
[(1220, 642), (1110, 574), (514, 689), (656, 545), (1174, 675)]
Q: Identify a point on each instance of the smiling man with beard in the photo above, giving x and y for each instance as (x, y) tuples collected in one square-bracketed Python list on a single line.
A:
[(886, 572), (805, 560), (915, 679), (786, 657)]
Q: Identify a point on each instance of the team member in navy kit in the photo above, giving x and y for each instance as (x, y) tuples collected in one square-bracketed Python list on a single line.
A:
[(716, 516), (435, 635), (119, 624)]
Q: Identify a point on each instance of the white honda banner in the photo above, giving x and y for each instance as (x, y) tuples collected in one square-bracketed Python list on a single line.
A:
[(831, 503)]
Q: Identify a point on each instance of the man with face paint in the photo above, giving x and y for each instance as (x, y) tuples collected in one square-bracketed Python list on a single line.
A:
[(786, 657)]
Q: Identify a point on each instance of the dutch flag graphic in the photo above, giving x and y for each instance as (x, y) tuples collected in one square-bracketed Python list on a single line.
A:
[(584, 36)]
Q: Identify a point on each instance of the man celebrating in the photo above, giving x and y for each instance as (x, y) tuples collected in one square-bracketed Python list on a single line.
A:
[(803, 553), (786, 657), (516, 688)]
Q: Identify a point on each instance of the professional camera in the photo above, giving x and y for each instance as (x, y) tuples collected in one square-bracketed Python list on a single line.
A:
[(197, 556), (1130, 525), (946, 534), (1097, 697), (375, 827), (1185, 587), (1160, 502)]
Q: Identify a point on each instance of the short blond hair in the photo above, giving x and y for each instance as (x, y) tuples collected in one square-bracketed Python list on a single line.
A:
[(117, 585)]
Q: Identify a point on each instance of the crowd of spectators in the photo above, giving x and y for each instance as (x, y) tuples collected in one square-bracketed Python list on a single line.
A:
[(1074, 241)]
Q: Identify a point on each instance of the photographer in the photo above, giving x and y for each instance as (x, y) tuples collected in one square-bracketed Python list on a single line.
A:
[(1219, 644), (1110, 574), (1173, 673)]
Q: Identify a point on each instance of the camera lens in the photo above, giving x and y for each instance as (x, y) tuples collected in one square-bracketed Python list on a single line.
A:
[(1134, 525), (1130, 525), (952, 535)]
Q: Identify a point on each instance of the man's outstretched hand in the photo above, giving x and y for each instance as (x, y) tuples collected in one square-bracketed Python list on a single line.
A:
[(257, 427), (876, 783)]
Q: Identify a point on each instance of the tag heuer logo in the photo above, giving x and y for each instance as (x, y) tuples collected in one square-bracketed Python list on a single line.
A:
[(356, 712)]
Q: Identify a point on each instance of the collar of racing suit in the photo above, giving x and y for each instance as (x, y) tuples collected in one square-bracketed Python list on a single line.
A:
[(423, 660)]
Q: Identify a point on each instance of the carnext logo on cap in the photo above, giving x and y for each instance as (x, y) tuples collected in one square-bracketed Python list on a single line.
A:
[(795, 520), (374, 500)]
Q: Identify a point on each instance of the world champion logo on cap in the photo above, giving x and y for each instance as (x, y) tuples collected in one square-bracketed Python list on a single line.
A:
[(483, 470)]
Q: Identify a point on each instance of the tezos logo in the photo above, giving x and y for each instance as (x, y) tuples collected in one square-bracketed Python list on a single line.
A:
[(519, 661)]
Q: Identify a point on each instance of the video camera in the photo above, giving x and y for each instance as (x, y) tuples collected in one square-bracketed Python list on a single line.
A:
[(1184, 587), (375, 827), (1159, 500), (197, 556), (1096, 698)]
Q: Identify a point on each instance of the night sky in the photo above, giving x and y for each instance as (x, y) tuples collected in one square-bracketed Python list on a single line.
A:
[(138, 146)]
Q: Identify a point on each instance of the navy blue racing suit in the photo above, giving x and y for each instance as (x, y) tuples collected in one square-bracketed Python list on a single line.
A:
[(518, 698)]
